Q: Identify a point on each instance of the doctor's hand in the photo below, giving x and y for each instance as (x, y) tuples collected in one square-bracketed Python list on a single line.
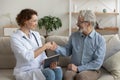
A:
[(53, 65), (48, 45)]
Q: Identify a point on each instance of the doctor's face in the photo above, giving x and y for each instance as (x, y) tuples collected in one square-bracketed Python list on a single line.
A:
[(32, 23)]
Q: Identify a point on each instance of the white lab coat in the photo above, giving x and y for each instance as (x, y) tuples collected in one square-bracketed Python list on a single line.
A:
[(27, 67)]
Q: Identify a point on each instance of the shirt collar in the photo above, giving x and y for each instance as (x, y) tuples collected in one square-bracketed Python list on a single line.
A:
[(91, 35)]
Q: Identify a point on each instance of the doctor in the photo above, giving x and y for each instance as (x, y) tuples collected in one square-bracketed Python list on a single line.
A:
[(29, 51)]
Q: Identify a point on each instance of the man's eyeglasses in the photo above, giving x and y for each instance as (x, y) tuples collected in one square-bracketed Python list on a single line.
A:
[(81, 22)]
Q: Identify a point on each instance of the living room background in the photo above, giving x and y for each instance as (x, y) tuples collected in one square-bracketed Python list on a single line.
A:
[(10, 8)]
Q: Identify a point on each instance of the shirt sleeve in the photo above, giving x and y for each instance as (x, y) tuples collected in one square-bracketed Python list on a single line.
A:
[(65, 50), (20, 51), (98, 58)]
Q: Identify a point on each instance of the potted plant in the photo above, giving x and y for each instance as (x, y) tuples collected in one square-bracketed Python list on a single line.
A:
[(50, 23)]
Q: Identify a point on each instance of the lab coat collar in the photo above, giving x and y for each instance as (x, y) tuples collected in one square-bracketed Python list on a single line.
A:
[(22, 34)]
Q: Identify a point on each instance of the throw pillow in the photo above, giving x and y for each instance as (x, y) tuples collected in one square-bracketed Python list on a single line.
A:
[(112, 46), (112, 64), (108, 37)]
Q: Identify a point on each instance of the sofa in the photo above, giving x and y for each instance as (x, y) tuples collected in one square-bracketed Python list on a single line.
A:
[(109, 71)]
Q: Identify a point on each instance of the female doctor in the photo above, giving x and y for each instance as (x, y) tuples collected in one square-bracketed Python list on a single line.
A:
[(29, 51)]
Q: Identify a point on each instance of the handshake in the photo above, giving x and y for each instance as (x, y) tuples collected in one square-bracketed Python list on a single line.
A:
[(51, 45)]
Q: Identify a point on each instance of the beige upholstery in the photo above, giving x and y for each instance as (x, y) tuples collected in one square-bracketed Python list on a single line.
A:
[(6, 74), (7, 60), (112, 64), (105, 75)]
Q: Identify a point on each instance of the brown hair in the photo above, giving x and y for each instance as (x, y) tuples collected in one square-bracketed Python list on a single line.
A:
[(24, 15)]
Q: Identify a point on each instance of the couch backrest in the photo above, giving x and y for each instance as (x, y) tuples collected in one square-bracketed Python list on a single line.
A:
[(112, 45), (7, 59)]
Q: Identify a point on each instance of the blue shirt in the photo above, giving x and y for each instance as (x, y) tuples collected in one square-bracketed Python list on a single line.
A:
[(87, 52)]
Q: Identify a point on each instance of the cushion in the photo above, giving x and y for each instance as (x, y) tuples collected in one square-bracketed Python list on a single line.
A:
[(112, 46), (108, 37), (112, 64), (7, 59), (43, 40), (60, 40), (105, 75), (6, 74)]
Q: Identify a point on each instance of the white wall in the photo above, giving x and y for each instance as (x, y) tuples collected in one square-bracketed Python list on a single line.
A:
[(108, 20), (57, 8), (43, 7)]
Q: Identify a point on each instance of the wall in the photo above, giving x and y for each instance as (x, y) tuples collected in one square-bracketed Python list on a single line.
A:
[(104, 20), (10, 8)]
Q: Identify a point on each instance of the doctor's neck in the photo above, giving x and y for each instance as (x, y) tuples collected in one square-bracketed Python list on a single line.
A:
[(25, 30)]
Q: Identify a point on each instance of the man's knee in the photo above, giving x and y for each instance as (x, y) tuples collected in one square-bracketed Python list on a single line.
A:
[(81, 76), (87, 75), (69, 75)]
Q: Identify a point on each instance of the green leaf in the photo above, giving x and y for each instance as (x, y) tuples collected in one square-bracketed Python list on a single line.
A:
[(50, 23)]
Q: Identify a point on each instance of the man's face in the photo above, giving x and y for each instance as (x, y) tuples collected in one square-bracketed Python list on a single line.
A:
[(83, 25)]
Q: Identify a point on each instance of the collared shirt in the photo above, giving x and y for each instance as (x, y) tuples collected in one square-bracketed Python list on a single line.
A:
[(87, 52), (23, 48)]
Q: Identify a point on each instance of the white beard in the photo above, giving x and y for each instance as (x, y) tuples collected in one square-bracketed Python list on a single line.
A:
[(82, 30)]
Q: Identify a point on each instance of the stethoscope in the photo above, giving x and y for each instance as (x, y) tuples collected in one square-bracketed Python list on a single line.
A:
[(34, 37)]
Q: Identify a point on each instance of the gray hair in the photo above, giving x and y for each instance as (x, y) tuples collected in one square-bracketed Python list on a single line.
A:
[(89, 16)]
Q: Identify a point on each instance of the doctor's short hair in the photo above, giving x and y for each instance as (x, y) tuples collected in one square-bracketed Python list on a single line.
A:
[(24, 15), (88, 15)]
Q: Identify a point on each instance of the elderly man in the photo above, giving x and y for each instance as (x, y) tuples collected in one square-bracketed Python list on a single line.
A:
[(86, 47)]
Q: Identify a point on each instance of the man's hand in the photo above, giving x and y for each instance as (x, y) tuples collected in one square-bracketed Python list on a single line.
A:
[(72, 67), (54, 46)]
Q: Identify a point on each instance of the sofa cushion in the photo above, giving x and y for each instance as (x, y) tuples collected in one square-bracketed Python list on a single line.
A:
[(105, 75), (112, 45), (7, 59), (6, 74), (112, 64), (108, 37), (43, 39), (60, 40)]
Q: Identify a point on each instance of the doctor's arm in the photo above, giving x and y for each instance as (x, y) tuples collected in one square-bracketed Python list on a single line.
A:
[(41, 49), (23, 52)]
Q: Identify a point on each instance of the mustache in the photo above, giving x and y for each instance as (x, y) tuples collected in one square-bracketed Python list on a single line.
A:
[(82, 29)]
